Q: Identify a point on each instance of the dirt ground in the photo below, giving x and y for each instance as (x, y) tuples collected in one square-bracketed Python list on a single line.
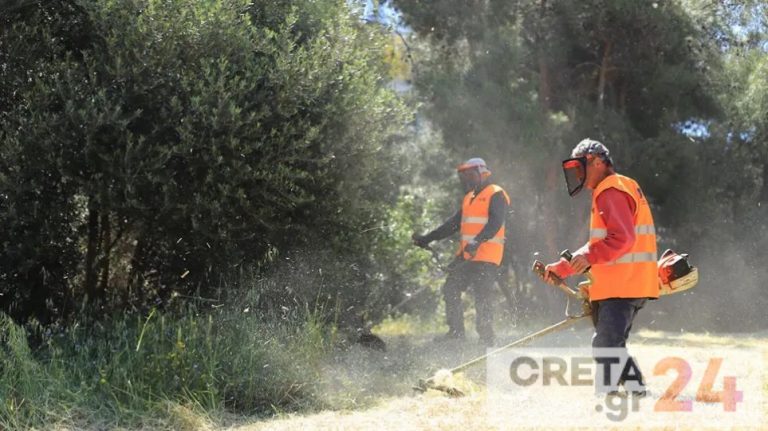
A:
[(380, 383)]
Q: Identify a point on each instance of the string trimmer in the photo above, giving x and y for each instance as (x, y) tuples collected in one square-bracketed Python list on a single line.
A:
[(570, 319), (443, 269), (455, 265), (368, 339)]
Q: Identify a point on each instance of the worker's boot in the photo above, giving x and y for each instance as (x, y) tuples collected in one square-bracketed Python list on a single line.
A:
[(624, 394), (638, 387)]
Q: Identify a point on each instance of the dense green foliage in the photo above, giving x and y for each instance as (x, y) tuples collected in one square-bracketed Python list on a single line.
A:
[(151, 147)]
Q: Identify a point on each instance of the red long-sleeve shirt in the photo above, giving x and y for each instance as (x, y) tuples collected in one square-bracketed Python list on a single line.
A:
[(617, 210)]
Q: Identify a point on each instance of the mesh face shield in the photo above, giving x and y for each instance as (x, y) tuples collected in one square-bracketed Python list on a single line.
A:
[(470, 178), (575, 171)]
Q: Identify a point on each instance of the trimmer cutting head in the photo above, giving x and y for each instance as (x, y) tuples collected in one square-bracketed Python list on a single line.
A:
[(429, 383)]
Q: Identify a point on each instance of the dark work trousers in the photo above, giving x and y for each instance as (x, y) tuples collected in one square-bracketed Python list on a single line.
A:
[(480, 276), (613, 319)]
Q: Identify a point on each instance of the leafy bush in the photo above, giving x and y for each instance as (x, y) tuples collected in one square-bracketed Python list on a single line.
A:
[(155, 147)]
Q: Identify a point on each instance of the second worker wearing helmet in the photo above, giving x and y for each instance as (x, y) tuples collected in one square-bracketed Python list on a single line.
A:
[(480, 220)]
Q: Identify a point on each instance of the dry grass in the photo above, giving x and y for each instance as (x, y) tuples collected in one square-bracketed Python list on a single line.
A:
[(393, 406)]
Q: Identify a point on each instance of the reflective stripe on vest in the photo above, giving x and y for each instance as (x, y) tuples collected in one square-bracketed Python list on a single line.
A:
[(636, 257), (482, 220), (646, 229), (634, 274), (468, 238), (474, 217)]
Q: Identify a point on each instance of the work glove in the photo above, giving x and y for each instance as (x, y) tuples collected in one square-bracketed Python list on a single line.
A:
[(420, 240), (471, 248), (580, 264), (562, 269)]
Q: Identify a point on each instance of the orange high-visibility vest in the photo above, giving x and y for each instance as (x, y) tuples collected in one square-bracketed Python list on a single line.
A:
[(634, 274), (474, 217)]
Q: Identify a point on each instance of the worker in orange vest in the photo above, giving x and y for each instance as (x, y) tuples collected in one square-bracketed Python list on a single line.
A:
[(480, 220), (620, 253)]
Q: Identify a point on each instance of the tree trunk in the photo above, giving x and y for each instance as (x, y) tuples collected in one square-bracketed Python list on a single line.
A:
[(134, 278), (91, 251), (551, 230), (603, 74), (545, 87), (106, 240)]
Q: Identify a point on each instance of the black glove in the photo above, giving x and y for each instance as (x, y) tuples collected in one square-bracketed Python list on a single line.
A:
[(420, 240), (471, 248)]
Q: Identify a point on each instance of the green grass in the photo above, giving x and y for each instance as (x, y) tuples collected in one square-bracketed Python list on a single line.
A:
[(194, 369), (172, 371)]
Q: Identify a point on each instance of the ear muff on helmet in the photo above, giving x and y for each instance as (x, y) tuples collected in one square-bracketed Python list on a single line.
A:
[(575, 171), (676, 274)]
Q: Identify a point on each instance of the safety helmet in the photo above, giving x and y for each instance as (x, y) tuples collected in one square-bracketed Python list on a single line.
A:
[(676, 274), (591, 146), (575, 168), (475, 162)]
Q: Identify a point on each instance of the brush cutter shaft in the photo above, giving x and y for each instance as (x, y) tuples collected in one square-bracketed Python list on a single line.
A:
[(408, 298), (528, 338), (570, 320), (539, 268), (453, 266), (430, 383)]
